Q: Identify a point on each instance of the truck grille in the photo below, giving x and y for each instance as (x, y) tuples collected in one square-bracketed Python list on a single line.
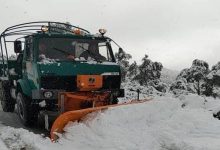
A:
[(67, 83), (111, 82)]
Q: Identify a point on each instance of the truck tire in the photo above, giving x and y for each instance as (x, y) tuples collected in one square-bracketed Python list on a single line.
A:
[(113, 100), (8, 104), (26, 112)]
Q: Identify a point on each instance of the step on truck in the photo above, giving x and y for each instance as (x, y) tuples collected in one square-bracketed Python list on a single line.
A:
[(57, 68)]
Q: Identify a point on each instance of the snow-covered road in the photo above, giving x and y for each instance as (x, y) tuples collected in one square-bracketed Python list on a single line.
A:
[(162, 124), (10, 119), (11, 123)]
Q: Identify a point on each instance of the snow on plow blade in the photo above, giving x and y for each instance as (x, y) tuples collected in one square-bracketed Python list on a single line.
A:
[(76, 115)]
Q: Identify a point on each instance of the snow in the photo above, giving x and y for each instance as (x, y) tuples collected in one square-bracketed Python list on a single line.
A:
[(213, 73), (210, 75), (90, 61), (158, 124), (218, 73), (108, 63), (3, 146), (17, 139), (110, 73), (45, 60), (164, 123), (12, 71)]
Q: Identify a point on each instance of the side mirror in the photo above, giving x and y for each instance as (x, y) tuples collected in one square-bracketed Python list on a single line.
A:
[(17, 46)]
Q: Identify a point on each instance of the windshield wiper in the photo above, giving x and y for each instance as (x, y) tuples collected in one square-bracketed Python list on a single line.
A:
[(62, 51), (69, 55)]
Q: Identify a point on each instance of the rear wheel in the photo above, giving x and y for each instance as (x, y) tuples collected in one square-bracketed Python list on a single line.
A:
[(8, 104), (26, 112)]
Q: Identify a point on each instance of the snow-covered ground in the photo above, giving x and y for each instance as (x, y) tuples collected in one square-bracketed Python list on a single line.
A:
[(165, 123)]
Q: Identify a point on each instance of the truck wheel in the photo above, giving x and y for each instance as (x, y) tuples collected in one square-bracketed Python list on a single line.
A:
[(113, 100), (27, 114), (8, 104)]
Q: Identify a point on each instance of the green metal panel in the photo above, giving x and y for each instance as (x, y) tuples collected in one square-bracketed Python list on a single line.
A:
[(29, 77), (25, 86), (75, 68), (14, 70), (1, 68)]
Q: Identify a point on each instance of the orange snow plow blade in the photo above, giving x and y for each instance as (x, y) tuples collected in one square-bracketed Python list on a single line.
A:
[(76, 115)]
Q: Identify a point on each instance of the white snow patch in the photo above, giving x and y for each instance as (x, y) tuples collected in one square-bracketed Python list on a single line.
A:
[(17, 139), (12, 71), (161, 124), (45, 60), (90, 61)]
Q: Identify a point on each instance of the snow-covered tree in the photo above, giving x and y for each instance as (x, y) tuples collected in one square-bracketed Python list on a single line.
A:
[(144, 77), (213, 81), (133, 70), (148, 71), (214, 75), (179, 86), (195, 77), (123, 60), (158, 85)]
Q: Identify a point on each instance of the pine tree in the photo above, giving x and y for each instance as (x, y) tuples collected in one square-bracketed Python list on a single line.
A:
[(123, 60), (148, 71), (212, 85), (133, 70), (195, 76)]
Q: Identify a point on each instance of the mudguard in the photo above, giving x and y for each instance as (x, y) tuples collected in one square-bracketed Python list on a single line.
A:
[(25, 87)]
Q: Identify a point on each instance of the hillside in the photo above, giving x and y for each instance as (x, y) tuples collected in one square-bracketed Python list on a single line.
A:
[(168, 76)]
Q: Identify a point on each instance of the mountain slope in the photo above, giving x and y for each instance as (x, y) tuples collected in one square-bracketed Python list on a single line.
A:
[(168, 76)]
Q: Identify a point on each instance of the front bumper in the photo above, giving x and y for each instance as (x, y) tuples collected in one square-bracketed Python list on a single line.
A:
[(40, 94)]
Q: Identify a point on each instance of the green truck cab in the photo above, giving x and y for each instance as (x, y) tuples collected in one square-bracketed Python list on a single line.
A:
[(50, 55)]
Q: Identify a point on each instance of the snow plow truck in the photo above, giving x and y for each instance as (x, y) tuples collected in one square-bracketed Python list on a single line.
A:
[(58, 69)]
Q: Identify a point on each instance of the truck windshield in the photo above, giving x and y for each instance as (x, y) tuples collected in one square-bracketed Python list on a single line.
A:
[(60, 49)]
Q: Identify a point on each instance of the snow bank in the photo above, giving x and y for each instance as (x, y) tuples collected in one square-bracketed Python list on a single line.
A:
[(158, 124), (17, 139), (3, 146), (165, 123)]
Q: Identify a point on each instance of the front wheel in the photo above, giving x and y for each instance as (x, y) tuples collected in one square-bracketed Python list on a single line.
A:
[(113, 100), (27, 113)]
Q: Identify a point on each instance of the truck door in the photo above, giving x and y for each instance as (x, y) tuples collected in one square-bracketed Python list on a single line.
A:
[(28, 59)]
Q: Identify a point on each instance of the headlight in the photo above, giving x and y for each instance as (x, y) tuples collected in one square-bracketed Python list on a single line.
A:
[(48, 94)]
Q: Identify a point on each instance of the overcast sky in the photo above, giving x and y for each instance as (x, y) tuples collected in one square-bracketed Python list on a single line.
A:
[(174, 32)]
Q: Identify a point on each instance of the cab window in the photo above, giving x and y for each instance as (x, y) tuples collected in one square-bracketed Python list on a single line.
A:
[(29, 49)]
